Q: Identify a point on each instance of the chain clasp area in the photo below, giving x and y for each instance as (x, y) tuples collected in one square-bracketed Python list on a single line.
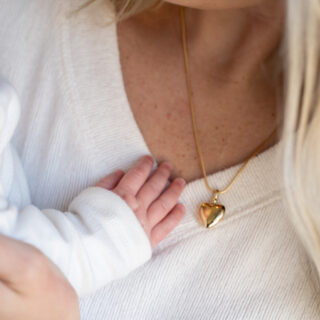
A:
[(215, 195)]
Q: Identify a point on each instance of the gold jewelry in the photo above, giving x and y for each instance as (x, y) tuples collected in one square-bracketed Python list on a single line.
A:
[(210, 213)]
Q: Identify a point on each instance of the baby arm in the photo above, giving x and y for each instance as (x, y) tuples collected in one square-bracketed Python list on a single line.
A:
[(107, 231)]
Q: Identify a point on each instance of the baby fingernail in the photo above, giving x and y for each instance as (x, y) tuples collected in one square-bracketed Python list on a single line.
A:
[(181, 181), (167, 165)]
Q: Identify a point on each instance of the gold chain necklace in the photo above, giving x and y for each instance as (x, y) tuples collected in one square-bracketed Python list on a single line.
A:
[(210, 213)]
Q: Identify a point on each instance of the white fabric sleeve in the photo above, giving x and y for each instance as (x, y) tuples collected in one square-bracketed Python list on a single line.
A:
[(99, 238)]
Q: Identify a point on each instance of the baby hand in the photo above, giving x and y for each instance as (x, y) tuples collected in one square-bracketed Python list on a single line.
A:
[(159, 213)]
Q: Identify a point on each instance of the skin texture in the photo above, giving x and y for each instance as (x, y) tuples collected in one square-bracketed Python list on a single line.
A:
[(235, 97), (236, 92)]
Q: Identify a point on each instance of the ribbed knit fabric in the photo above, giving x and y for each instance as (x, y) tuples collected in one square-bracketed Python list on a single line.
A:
[(76, 126), (97, 240)]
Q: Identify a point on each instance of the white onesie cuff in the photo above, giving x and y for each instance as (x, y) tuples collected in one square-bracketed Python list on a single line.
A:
[(110, 214)]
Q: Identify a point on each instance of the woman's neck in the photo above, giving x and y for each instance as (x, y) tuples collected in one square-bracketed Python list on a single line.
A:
[(235, 42), (235, 102)]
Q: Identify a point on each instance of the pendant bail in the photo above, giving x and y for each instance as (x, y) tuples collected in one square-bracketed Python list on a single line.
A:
[(215, 195)]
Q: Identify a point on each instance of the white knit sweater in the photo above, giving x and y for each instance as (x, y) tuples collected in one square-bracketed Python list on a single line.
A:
[(75, 127)]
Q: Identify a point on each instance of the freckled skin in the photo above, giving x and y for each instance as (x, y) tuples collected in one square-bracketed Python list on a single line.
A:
[(234, 98)]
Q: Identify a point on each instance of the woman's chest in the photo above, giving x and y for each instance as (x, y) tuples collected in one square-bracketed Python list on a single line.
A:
[(231, 120)]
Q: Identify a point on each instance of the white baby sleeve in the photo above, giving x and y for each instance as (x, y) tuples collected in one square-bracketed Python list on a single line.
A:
[(99, 238)]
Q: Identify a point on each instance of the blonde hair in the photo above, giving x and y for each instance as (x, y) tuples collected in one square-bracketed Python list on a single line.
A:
[(126, 8), (300, 154)]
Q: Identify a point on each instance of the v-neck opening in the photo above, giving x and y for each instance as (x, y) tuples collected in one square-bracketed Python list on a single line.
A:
[(139, 131), (95, 49)]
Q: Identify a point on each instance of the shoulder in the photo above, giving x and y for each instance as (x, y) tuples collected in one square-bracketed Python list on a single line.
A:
[(29, 26), (25, 25), (24, 17), (52, 45)]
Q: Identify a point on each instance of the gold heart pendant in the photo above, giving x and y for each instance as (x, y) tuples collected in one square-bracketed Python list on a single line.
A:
[(211, 213)]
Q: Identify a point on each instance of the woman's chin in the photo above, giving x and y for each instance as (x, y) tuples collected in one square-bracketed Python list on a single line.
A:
[(217, 4)]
